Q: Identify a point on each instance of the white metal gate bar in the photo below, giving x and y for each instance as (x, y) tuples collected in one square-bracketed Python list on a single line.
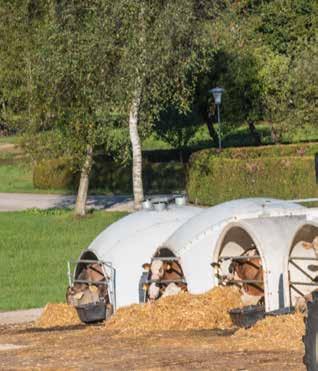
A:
[(292, 284)]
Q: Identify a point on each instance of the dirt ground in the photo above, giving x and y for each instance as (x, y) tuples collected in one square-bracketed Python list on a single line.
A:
[(92, 347)]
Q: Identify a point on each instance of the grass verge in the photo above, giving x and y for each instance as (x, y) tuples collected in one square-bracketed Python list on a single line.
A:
[(34, 249)]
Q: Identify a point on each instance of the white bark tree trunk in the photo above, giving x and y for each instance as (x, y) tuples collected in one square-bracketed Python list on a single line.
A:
[(136, 150), (80, 208)]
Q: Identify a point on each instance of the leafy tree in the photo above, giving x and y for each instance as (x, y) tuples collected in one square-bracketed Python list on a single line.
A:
[(165, 49), (78, 83), (177, 128), (304, 81), (259, 44), (19, 18)]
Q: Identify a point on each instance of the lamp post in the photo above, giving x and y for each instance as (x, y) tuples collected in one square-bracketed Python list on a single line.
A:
[(217, 95)]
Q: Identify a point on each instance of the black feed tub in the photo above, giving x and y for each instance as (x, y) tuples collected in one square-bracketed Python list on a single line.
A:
[(281, 311), (247, 316), (92, 312)]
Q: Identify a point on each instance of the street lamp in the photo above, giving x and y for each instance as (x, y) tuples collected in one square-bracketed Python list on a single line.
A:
[(217, 95)]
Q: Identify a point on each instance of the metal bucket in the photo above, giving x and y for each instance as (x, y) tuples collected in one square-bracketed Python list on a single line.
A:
[(180, 201), (247, 317), (147, 205)]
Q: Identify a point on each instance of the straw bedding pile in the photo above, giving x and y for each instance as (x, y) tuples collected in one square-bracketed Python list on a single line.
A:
[(180, 312), (58, 315), (282, 332)]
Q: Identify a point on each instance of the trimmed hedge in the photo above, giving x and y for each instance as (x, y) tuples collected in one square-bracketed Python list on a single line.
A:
[(110, 177), (213, 180), (285, 171), (296, 150), (279, 150)]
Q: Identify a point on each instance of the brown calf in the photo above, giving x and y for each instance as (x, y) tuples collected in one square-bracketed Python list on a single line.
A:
[(161, 270)]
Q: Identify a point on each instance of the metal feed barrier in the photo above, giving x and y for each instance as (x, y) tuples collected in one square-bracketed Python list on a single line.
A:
[(222, 279), (147, 281), (109, 274), (167, 259), (293, 284)]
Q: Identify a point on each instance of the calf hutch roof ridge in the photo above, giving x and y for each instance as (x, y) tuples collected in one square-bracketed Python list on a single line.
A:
[(200, 236)]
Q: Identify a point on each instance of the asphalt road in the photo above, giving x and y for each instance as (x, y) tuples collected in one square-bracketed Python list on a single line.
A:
[(24, 201)]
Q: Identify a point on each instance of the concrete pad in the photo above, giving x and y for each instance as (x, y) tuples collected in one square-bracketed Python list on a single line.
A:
[(20, 316)]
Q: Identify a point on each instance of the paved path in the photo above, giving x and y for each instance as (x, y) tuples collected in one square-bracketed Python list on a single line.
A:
[(20, 316), (23, 201)]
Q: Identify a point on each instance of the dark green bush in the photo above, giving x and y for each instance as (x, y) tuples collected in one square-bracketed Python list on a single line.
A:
[(54, 174), (213, 180), (157, 177), (107, 176)]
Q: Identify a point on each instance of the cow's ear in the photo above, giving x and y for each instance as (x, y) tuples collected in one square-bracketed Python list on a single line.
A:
[(307, 245), (146, 267)]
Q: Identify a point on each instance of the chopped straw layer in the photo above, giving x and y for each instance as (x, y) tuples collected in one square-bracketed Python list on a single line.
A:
[(281, 332), (58, 315), (180, 312)]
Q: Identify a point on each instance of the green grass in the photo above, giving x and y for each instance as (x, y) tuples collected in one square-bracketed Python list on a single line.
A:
[(15, 178), (34, 249), (10, 139), (237, 137)]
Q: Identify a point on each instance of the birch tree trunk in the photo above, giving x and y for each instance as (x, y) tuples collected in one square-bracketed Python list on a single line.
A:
[(136, 150), (134, 117), (80, 208)]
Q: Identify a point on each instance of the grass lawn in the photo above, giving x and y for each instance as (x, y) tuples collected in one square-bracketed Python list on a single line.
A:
[(13, 139), (15, 177), (34, 249), (237, 137)]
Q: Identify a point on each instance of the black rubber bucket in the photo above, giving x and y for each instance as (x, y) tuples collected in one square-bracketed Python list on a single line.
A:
[(247, 316), (92, 312)]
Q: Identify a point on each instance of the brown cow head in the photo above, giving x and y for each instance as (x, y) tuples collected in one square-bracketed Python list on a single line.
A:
[(163, 270), (157, 268), (249, 269), (81, 293)]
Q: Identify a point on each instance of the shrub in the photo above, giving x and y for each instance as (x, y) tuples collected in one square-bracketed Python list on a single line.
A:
[(212, 180), (108, 176), (54, 174)]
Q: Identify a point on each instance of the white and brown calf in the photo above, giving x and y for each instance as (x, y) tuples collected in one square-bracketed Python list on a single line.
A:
[(162, 270), (85, 293), (247, 269)]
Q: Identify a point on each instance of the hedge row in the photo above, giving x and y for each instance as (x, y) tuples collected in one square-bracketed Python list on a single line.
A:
[(279, 150), (110, 177), (213, 180), (296, 150)]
